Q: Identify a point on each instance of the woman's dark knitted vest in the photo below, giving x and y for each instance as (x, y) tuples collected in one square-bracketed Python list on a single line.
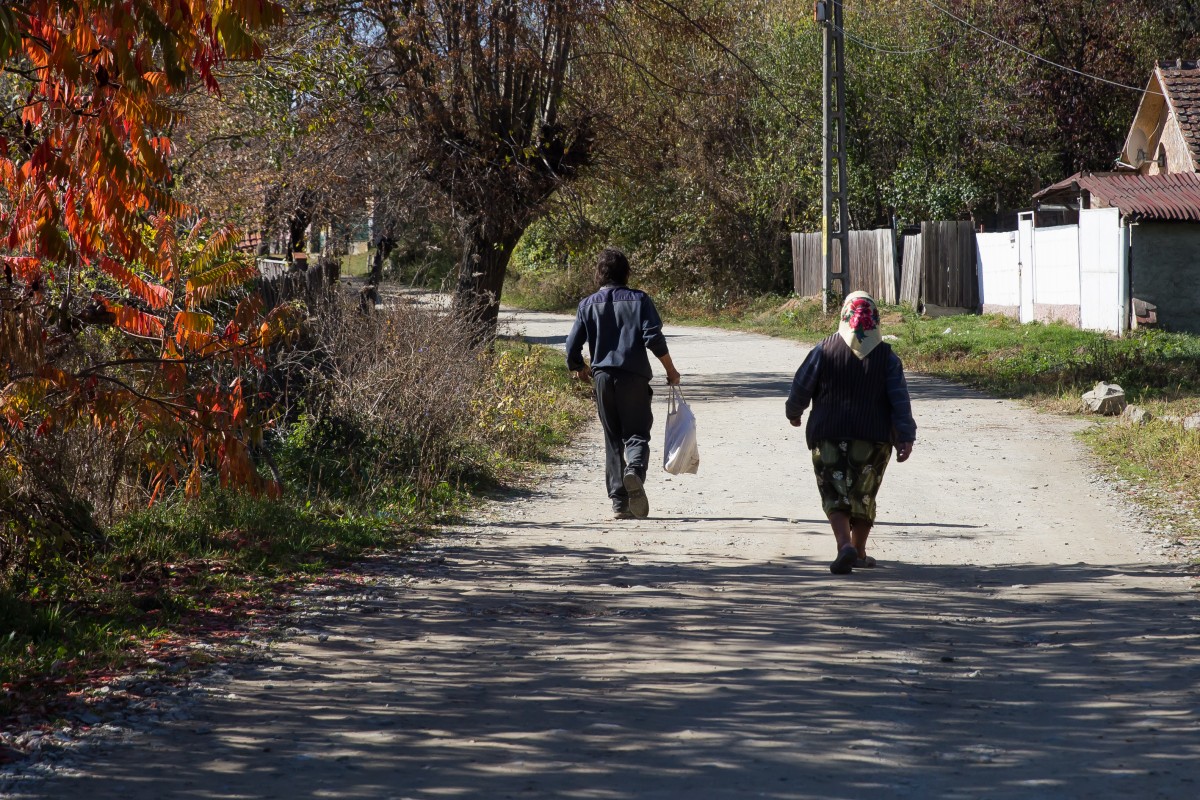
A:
[(851, 400)]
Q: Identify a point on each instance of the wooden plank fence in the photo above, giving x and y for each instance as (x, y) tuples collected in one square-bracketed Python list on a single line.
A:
[(280, 282), (949, 265), (872, 263), (808, 269), (910, 272)]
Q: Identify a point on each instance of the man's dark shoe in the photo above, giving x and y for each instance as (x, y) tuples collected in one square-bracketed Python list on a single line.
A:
[(844, 564), (639, 506), (622, 513)]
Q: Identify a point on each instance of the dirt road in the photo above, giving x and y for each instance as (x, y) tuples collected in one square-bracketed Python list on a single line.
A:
[(1023, 637)]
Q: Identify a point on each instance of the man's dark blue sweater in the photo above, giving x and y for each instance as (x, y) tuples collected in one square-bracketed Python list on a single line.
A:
[(619, 324)]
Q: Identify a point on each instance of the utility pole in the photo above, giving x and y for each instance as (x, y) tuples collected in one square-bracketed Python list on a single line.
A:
[(835, 213)]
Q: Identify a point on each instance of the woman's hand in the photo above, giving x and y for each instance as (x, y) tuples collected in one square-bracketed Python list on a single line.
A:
[(795, 422), (903, 451)]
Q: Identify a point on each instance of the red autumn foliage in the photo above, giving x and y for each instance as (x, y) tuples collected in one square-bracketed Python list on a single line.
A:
[(108, 303)]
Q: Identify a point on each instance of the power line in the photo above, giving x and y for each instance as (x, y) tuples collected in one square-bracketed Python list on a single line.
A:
[(1030, 54), (881, 49)]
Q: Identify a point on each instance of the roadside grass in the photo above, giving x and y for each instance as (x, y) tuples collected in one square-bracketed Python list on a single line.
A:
[(358, 264), (199, 570), (1042, 362), (536, 408)]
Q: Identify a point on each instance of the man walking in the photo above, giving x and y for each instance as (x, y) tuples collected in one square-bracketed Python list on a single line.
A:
[(619, 325)]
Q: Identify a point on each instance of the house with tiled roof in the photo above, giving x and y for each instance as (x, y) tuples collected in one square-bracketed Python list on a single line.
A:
[(1156, 176), (1129, 251), (1164, 138)]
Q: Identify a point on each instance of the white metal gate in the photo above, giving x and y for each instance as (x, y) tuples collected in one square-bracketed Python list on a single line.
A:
[(1101, 263)]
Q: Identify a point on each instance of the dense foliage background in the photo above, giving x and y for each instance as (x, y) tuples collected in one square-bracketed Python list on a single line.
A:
[(718, 155)]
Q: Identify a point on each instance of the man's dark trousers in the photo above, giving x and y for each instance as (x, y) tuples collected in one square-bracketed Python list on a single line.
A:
[(623, 404)]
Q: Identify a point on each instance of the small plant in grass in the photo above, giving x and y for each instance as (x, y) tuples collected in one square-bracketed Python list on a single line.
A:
[(528, 409)]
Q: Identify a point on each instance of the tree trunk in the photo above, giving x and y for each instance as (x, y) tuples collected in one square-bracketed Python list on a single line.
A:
[(487, 249), (383, 248), (298, 223)]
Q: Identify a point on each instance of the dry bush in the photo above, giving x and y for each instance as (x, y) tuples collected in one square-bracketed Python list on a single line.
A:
[(49, 488), (60, 482), (389, 397)]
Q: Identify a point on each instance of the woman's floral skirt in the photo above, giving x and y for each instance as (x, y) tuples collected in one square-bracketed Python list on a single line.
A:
[(849, 473)]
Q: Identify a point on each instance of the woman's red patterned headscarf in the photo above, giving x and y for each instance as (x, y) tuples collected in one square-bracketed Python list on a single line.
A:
[(860, 324)]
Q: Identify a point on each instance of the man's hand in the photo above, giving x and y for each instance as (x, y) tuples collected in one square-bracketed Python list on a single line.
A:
[(795, 421), (582, 374), (903, 451), (669, 366)]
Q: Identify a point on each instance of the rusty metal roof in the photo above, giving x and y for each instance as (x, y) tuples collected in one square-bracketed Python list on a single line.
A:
[(1151, 197)]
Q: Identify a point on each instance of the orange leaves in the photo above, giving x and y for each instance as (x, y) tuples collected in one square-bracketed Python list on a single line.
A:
[(166, 245), (95, 111), (136, 322), (153, 295), (85, 202), (23, 269), (193, 330)]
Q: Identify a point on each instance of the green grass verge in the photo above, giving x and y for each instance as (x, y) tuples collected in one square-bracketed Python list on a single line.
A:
[(1047, 363), (357, 265)]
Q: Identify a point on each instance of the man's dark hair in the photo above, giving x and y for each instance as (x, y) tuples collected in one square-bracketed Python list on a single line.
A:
[(612, 267)]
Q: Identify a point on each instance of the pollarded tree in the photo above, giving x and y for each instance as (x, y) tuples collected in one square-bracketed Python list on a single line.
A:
[(489, 94)]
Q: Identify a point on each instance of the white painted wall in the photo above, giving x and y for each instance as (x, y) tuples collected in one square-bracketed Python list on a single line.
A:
[(1025, 265), (1074, 273)]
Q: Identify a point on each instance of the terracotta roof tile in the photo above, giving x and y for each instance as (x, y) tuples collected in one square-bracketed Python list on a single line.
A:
[(1182, 82)]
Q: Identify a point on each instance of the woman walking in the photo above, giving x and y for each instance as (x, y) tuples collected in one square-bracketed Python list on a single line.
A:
[(860, 409)]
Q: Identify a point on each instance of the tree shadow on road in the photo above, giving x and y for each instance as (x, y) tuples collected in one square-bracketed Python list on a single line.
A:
[(546, 671)]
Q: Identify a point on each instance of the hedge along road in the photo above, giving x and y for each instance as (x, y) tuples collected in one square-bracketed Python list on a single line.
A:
[(1024, 635)]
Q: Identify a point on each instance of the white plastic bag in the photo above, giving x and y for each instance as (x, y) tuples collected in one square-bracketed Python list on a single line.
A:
[(680, 453)]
